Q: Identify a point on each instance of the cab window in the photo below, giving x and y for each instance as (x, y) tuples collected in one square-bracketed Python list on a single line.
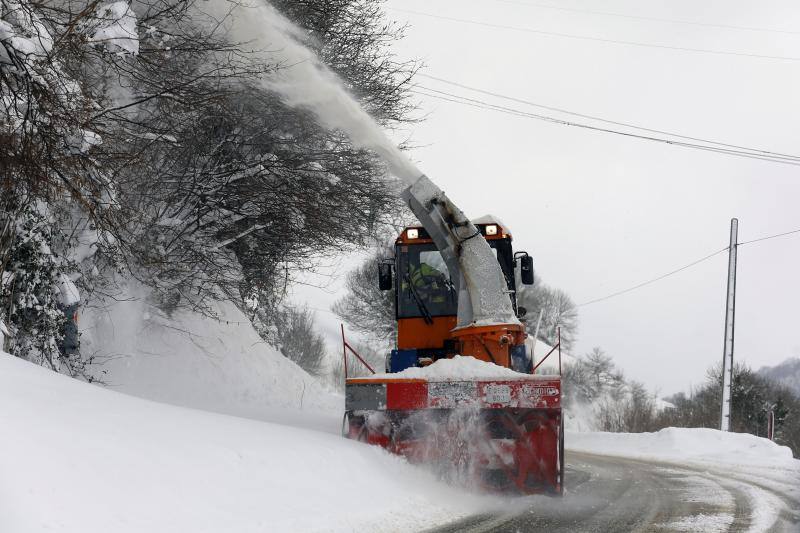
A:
[(424, 283)]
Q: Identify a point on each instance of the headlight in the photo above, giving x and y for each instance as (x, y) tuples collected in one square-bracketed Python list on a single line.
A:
[(412, 233), (491, 229)]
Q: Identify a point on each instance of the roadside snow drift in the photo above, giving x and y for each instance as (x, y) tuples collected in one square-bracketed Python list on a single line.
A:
[(78, 458), (192, 360), (695, 444)]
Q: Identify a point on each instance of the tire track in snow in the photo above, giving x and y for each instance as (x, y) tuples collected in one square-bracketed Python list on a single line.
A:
[(713, 508), (773, 501), (771, 509), (619, 494)]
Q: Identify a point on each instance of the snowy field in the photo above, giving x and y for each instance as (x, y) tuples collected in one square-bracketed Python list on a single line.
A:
[(78, 458), (84, 458)]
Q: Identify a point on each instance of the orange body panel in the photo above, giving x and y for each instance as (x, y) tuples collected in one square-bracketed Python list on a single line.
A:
[(414, 333), (490, 343)]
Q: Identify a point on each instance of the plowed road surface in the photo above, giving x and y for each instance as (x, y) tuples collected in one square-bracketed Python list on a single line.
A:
[(621, 495)]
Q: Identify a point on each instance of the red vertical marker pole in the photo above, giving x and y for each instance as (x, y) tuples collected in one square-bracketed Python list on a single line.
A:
[(559, 350), (344, 352), (771, 424)]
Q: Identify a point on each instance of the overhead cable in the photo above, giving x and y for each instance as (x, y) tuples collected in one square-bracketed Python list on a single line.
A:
[(596, 118), (597, 39), (751, 154), (659, 278), (640, 17), (768, 237), (693, 263)]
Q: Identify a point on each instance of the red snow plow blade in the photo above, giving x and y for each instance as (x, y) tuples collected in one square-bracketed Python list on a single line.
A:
[(498, 435)]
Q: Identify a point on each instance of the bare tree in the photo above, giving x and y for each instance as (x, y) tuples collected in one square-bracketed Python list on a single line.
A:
[(365, 308), (558, 310), (149, 128), (297, 338), (375, 357)]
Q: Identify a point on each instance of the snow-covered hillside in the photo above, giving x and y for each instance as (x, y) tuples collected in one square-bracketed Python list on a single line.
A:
[(192, 360), (78, 458)]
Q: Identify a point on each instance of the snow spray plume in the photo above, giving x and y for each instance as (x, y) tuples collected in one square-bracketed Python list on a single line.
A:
[(303, 80), (449, 442)]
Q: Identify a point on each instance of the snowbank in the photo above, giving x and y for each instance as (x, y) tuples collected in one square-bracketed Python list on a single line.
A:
[(78, 458), (458, 368), (673, 444), (195, 361)]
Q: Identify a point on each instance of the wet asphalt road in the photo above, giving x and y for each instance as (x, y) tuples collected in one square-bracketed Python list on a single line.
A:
[(621, 495)]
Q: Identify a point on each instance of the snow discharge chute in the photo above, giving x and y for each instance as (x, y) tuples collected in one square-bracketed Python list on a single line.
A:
[(310, 84), (475, 272), (497, 424)]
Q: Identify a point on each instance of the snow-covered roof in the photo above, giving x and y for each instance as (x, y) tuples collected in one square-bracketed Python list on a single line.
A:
[(491, 219)]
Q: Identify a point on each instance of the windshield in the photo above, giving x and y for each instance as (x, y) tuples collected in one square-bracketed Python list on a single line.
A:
[(424, 283)]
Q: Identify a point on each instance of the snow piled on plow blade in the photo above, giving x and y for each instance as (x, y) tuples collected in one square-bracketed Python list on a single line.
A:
[(458, 368)]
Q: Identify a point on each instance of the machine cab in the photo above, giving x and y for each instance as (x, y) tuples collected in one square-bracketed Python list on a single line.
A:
[(426, 300)]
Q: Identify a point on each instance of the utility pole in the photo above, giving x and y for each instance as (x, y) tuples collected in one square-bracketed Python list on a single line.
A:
[(730, 313)]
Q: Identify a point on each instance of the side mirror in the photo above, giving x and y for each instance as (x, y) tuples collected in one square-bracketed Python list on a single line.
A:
[(526, 269), (384, 276)]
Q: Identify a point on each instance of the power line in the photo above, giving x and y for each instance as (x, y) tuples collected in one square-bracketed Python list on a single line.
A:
[(449, 97), (693, 263), (597, 39), (659, 278), (657, 19), (599, 119), (789, 160), (768, 237)]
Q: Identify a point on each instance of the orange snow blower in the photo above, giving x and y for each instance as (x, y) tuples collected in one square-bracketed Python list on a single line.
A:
[(501, 430)]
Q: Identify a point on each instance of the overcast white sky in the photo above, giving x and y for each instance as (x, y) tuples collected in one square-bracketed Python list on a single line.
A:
[(599, 212)]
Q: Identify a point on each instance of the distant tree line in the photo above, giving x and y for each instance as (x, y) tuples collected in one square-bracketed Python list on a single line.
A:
[(752, 397), (595, 384)]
